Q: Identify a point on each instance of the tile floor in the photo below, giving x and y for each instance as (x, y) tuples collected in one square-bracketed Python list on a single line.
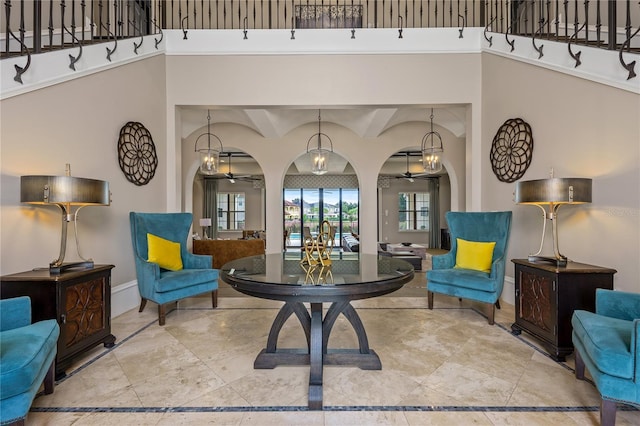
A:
[(446, 366)]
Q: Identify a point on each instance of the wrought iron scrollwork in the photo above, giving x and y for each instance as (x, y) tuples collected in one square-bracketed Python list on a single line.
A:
[(400, 22), (244, 25), (464, 23), (184, 30), (21, 70), (23, 47), (506, 36), (489, 39), (576, 57), (115, 41), (136, 46), (630, 67), (533, 39), (73, 59), (161, 33)]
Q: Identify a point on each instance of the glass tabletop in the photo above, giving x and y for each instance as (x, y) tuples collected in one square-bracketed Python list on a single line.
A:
[(345, 269)]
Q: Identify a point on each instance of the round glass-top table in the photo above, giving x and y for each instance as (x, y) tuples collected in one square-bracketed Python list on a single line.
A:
[(349, 277)]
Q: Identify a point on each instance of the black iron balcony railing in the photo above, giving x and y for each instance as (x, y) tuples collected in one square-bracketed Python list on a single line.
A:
[(36, 26)]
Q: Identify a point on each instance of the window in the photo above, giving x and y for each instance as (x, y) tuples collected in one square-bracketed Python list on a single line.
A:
[(413, 211), (309, 207), (230, 206)]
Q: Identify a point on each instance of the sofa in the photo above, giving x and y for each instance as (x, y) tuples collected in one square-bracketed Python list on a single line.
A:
[(27, 358), (350, 243), (224, 251)]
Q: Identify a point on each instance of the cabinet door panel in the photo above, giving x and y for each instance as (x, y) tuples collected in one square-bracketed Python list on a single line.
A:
[(537, 303), (84, 311)]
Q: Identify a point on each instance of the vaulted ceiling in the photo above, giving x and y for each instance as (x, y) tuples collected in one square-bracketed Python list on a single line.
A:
[(366, 121)]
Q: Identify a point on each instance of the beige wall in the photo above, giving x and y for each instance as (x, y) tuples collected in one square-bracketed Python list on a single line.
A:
[(78, 122), (310, 80), (580, 129)]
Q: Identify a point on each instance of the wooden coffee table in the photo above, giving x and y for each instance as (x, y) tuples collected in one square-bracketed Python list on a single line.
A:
[(350, 277)]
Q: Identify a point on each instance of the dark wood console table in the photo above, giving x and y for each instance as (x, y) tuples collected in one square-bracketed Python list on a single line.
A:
[(547, 295), (350, 277), (80, 300)]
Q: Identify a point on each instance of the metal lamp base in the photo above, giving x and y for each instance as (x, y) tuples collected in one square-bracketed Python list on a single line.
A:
[(57, 270), (560, 261)]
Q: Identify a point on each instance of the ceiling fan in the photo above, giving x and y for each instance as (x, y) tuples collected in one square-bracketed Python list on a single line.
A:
[(411, 176), (230, 176)]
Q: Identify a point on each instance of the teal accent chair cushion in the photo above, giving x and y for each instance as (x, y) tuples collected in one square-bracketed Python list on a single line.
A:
[(27, 355), (163, 286), (486, 287), (607, 343)]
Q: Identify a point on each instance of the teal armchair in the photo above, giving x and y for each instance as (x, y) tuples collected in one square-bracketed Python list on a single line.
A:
[(27, 356), (164, 286), (446, 277), (607, 343)]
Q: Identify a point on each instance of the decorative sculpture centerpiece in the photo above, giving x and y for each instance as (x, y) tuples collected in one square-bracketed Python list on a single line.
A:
[(317, 253)]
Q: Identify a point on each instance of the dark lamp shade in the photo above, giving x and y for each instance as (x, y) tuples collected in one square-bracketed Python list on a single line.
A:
[(554, 191), (64, 190)]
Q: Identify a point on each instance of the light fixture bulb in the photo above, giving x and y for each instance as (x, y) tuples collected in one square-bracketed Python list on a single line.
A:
[(431, 162), (319, 162), (209, 162)]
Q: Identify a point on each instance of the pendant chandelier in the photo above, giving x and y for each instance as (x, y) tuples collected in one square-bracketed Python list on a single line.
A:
[(319, 154), (209, 157), (432, 150)]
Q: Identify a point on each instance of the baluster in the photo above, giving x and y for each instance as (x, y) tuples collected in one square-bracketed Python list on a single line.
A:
[(73, 21), (576, 23), (557, 21), (21, 28), (598, 24), (566, 19), (435, 13), (548, 19), (612, 23), (586, 22)]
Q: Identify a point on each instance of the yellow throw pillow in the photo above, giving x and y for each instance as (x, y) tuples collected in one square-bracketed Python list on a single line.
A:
[(474, 255), (164, 252)]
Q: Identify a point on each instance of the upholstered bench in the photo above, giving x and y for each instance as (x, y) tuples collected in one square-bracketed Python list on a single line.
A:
[(28, 354)]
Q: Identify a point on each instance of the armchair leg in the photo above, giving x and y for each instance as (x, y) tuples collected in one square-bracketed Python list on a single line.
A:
[(498, 303), (607, 413), (492, 313), (214, 298), (162, 314), (579, 366), (430, 299), (49, 378), (143, 303)]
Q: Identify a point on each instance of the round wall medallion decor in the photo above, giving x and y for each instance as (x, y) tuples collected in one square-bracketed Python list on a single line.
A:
[(137, 153), (511, 150)]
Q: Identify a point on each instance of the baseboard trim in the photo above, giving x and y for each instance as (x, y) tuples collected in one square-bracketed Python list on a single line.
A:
[(124, 298), (509, 291)]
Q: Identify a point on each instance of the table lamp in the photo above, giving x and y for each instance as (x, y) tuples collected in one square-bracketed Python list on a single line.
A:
[(552, 192), (65, 192), (205, 222)]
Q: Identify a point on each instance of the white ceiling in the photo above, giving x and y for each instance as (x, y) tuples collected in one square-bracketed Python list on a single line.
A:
[(366, 122)]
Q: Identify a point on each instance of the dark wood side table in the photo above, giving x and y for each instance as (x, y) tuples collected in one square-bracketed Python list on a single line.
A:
[(546, 296), (80, 300)]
